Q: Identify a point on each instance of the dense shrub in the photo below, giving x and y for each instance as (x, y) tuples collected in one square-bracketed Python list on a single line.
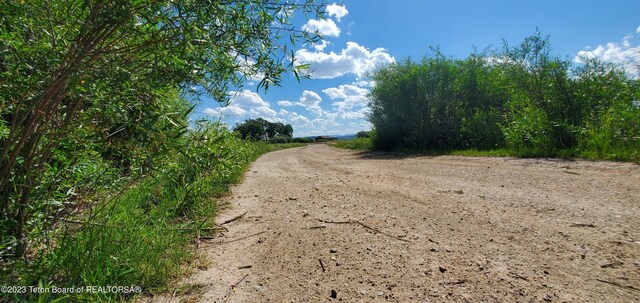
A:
[(363, 134), (302, 140), (279, 139), (139, 236), (437, 103), (355, 143), (521, 98)]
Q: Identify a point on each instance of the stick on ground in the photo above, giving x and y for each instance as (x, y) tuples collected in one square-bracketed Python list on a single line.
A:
[(233, 219), (619, 285), (241, 238), (233, 287)]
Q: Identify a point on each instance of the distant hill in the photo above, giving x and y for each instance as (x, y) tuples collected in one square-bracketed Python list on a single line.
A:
[(341, 137), (345, 137)]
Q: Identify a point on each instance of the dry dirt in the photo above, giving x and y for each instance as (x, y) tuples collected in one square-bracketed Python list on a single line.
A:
[(324, 224)]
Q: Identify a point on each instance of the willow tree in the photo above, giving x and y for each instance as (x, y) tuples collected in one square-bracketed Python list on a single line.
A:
[(60, 59)]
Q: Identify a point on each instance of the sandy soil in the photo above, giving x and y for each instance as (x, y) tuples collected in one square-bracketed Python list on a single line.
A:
[(324, 224)]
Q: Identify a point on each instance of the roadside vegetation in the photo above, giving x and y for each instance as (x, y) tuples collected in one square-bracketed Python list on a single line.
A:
[(141, 235), (519, 101), (273, 132), (355, 144), (104, 178), (362, 141)]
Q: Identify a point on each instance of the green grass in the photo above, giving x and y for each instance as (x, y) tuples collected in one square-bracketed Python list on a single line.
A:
[(264, 147), (626, 155), (143, 235), (355, 144), (481, 153), (504, 152)]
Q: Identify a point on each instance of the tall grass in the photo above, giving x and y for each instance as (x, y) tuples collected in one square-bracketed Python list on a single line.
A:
[(355, 143), (142, 235), (620, 154)]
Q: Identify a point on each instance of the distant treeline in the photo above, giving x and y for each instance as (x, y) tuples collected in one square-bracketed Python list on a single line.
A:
[(262, 130), (520, 98)]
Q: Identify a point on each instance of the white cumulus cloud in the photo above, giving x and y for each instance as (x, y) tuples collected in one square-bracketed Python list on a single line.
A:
[(354, 115), (263, 112), (324, 27), (321, 46), (346, 91), (230, 110), (316, 110), (299, 120), (285, 103), (324, 124), (370, 83), (354, 59), (246, 98), (310, 98), (351, 96), (624, 54), (337, 10), (243, 103), (211, 112)]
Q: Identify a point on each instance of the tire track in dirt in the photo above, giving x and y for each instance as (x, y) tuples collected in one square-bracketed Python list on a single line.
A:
[(472, 229)]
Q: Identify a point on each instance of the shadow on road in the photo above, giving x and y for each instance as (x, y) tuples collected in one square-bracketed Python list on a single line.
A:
[(381, 155)]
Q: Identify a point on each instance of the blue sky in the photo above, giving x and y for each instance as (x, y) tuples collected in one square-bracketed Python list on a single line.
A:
[(361, 35)]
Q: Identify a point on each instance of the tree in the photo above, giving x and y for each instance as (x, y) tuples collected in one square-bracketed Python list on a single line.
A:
[(250, 130), (363, 134), (287, 130), (62, 60), (274, 129), (261, 129)]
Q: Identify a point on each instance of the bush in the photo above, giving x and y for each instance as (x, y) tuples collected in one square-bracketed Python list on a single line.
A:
[(302, 140), (356, 144), (527, 128), (363, 134), (280, 139), (521, 98), (141, 235), (483, 130)]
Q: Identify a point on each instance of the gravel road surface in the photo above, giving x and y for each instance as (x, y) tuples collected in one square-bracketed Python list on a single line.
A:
[(322, 224)]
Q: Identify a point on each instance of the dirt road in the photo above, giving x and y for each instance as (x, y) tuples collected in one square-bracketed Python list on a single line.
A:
[(325, 224)]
